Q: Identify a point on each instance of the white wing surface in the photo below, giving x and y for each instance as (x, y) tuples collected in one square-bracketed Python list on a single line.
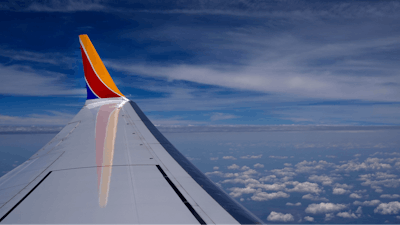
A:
[(111, 165)]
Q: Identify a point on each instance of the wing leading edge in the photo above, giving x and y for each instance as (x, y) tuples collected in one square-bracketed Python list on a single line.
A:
[(110, 164)]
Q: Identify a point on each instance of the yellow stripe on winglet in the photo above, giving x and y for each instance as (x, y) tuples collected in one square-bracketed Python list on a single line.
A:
[(98, 65)]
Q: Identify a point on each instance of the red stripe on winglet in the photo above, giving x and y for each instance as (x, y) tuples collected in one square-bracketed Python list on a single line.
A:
[(94, 82)]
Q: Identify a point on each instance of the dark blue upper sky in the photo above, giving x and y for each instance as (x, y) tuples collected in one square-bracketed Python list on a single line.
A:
[(206, 62)]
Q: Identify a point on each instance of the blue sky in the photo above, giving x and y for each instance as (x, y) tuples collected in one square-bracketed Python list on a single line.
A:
[(206, 62)]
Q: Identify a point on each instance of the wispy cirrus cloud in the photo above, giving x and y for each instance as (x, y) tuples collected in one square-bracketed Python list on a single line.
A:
[(286, 64), (67, 6), (258, 78), (51, 118), (25, 81), (221, 116), (298, 10), (53, 58)]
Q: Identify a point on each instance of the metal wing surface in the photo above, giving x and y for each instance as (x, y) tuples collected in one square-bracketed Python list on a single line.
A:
[(110, 164)]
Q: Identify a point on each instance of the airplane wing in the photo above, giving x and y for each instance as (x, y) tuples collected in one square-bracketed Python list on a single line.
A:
[(110, 164)]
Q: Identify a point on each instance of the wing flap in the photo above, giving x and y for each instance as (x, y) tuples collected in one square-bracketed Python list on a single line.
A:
[(66, 196), (157, 201), (20, 180)]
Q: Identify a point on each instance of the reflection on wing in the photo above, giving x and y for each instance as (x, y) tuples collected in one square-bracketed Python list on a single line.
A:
[(106, 130)]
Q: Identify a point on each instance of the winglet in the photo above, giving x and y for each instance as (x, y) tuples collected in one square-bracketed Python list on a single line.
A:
[(99, 83)]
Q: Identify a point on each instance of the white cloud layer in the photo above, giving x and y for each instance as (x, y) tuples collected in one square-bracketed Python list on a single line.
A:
[(278, 183), (280, 217), (277, 157), (368, 164), (388, 208), (237, 192), (312, 166), (324, 208), (359, 211), (354, 195), (293, 204), (233, 167), (367, 203), (329, 216), (229, 157), (314, 198), (325, 180), (339, 191), (258, 165), (251, 156), (305, 187), (348, 215), (309, 218), (390, 196), (380, 179), (264, 196)]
